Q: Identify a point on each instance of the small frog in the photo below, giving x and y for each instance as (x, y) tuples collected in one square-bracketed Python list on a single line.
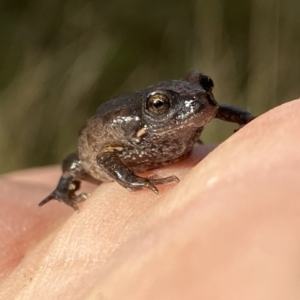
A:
[(141, 131)]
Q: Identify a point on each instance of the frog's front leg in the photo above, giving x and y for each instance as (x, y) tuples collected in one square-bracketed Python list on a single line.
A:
[(113, 166), (234, 114), (69, 183)]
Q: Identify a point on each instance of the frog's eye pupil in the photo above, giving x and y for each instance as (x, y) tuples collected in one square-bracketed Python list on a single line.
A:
[(158, 103)]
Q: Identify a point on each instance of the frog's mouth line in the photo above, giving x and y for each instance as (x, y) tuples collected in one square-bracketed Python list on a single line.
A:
[(196, 121), (180, 127)]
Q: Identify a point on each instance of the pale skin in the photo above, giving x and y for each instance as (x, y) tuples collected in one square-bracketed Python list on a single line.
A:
[(228, 230)]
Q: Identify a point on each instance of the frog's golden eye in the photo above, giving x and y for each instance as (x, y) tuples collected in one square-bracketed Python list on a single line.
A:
[(158, 103)]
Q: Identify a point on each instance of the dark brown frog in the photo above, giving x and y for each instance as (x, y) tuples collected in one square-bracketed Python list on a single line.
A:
[(141, 131)]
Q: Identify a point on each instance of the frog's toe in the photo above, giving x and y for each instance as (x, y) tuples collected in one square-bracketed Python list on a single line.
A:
[(52, 196), (149, 183), (140, 183), (69, 199), (81, 197), (164, 180)]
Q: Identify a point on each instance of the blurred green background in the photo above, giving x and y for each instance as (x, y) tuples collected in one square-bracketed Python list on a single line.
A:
[(59, 59)]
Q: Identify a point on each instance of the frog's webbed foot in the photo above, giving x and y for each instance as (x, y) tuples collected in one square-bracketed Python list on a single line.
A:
[(69, 183), (66, 196), (68, 199), (109, 161)]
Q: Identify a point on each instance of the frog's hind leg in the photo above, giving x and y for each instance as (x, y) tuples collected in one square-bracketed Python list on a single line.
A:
[(69, 183)]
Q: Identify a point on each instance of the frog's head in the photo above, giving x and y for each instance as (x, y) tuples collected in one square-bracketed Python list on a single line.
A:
[(180, 103)]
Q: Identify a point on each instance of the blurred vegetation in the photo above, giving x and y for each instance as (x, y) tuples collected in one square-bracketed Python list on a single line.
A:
[(60, 59)]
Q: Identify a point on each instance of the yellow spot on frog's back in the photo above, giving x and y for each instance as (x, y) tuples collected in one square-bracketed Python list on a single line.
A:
[(141, 132)]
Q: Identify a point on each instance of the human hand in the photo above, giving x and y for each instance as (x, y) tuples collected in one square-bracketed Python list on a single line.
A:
[(228, 230)]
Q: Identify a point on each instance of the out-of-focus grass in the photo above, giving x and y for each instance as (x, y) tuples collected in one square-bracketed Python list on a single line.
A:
[(60, 59)]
